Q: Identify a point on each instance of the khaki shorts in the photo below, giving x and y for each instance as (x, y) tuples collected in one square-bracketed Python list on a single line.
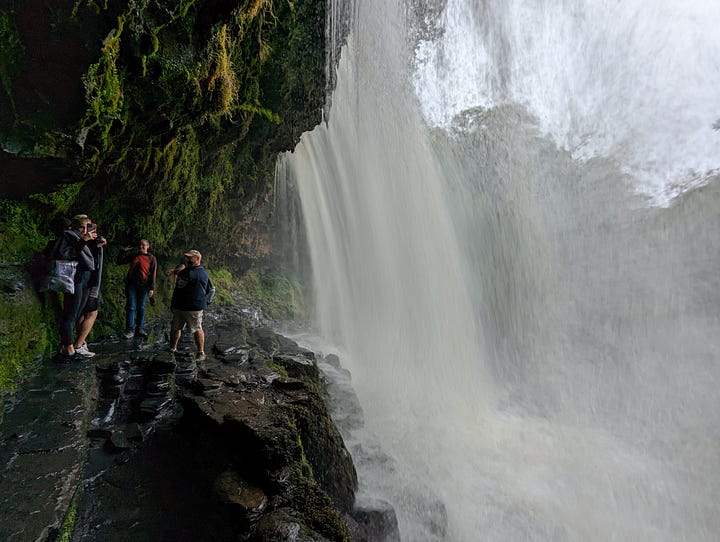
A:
[(193, 320)]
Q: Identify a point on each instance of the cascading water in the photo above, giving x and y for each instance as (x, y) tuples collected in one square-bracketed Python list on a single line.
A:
[(512, 214)]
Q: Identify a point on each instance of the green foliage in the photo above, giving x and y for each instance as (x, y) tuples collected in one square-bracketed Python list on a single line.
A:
[(11, 51), (186, 108), (61, 200), (104, 95), (224, 284), (20, 233), (170, 105), (281, 297), (222, 83), (111, 316), (26, 330)]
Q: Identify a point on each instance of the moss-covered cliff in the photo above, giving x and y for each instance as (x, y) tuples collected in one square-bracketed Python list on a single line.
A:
[(167, 114), (160, 119)]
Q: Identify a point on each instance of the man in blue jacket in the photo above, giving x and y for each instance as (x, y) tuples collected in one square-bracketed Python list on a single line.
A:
[(193, 291)]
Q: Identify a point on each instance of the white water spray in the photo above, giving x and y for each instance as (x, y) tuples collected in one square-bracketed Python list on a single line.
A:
[(635, 81), (535, 352)]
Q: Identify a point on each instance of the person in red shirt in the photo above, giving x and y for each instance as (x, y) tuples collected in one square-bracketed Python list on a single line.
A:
[(139, 285)]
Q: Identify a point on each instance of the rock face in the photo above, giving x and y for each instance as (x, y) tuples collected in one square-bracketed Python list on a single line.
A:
[(154, 446), (214, 90), (287, 463), (241, 447)]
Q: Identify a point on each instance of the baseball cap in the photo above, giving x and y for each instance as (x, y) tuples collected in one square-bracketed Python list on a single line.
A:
[(193, 253)]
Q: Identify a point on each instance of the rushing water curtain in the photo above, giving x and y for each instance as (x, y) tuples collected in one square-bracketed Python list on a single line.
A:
[(512, 214)]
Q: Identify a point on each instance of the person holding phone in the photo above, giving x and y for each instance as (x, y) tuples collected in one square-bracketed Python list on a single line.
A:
[(139, 286), (80, 242), (192, 293)]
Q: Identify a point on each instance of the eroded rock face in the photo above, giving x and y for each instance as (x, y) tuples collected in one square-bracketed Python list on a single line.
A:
[(240, 447), (242, 443)]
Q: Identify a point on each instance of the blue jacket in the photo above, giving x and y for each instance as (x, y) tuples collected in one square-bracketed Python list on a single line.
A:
[(193, 290)]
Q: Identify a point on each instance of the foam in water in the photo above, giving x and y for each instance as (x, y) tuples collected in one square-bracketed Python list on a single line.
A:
[(635, 81), (535, 353)]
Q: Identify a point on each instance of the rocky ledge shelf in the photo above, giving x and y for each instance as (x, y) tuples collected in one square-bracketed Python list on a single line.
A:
[(144, 444)]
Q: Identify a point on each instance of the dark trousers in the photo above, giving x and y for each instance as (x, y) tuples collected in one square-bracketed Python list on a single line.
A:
[(72, 305), (135, 298)]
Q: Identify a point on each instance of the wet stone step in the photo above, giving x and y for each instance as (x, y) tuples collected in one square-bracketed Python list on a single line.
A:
[(153, 405)]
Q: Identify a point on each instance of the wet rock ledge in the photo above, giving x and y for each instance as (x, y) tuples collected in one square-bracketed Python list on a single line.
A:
[(240, 447)]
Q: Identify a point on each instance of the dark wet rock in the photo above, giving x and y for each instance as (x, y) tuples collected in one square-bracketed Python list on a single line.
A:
[(374, 519), (160, 367), (206, 385), (280, 431), (186, 368), (152, 406), (241, 449), (283, 526), (133, 432), (229, 346), (237, 358), (332, 360), (117, 442), (234, 490), (288, 383), (345, 405), (42, 449), (298, 366), (157, 389), (99, 432), (266, 340), (111, 369)]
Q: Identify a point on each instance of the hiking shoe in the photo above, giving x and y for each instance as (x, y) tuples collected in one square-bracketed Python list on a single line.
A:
[(84, 352), (200, 356), (172, 350), (141, 333), (128, 334)]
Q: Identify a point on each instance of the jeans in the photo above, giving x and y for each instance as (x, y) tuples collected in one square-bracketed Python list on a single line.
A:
[(135, 298)]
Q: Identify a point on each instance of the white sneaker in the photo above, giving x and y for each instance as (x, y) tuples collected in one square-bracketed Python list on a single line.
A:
[(84, 352), (129, 334)]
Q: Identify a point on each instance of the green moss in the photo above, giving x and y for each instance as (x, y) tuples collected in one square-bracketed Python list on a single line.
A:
[(313, 504), (279, 369), (186, 109), (318, 510), (224, 284), (105, 98), (61, 200), (281, 296), (68, 525), (26, 330), (175, 142), (11, 52), (21, 234)]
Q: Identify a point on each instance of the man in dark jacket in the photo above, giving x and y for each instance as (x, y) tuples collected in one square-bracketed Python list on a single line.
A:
[(193, 291)]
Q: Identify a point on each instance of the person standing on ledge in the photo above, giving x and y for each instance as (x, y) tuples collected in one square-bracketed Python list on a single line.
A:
[(191, 296), (139, 285), (80, 242)]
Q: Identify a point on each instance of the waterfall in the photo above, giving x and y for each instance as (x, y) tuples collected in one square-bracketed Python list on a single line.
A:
[(512, 212)]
